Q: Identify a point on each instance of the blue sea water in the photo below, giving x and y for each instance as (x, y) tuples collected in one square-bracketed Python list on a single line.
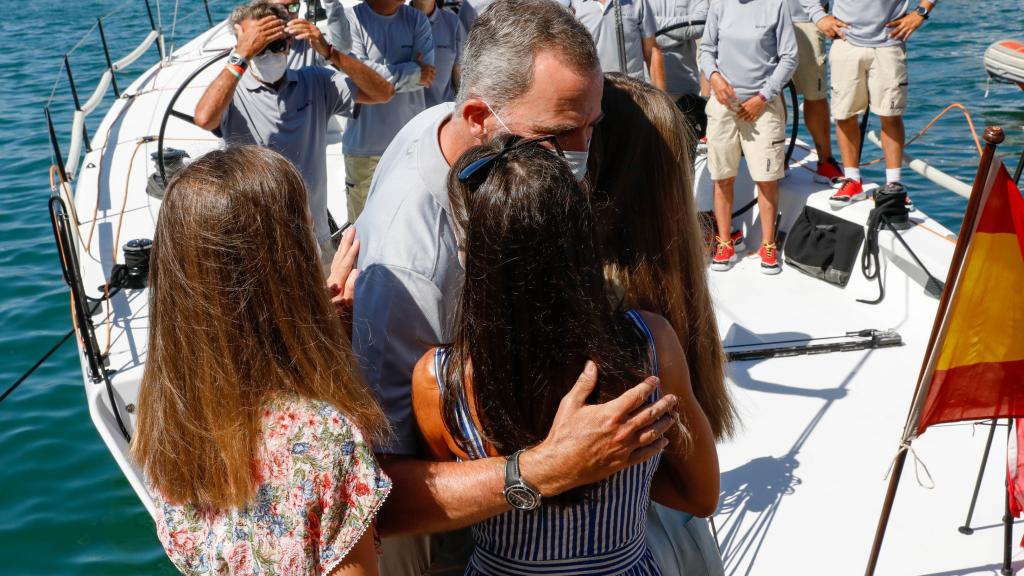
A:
[(65, 508)]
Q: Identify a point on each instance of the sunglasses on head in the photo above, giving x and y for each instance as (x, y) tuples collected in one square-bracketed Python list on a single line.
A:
[(293, 7), (481, 167)]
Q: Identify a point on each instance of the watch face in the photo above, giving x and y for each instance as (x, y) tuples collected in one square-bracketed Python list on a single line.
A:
[(522, 498)]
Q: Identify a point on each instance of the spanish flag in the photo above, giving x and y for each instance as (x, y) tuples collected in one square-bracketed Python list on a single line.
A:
[(975, 369)]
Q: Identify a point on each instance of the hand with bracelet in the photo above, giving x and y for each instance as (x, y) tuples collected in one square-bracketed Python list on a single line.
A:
[(752, 108), (902, 27)]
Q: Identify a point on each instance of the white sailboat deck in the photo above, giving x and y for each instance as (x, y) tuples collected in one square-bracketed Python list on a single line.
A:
[(802, 481)]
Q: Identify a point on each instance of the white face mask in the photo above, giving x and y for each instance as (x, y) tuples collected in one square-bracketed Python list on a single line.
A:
[(577, 159), (270, 67)]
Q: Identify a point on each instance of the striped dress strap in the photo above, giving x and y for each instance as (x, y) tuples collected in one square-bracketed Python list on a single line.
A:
[(652, 351), (474, 444)]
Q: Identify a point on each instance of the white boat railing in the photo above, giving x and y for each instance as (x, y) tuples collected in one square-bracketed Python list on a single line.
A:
[(951, 183), (67, 170)]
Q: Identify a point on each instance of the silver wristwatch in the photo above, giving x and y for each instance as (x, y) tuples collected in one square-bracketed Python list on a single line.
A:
[(922, 11), (235, 60), (518, 493)]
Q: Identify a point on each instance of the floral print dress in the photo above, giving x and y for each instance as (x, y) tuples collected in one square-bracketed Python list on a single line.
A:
[(320, 489)]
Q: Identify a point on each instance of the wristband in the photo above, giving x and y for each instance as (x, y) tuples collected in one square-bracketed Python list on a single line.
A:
[(763, 99), (330, 53), (236, 71)]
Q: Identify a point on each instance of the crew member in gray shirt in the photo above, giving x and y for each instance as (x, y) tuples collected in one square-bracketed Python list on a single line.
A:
[(395, 40), (257, 99), (449, 35), (869, 68), (639, 47), (680, 25), (748, 54)]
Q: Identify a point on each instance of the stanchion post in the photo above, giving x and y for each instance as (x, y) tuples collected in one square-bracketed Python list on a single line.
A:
[(106, 53)]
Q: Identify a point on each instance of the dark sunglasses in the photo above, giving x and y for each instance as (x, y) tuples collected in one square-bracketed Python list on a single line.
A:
[(481, 167), (293, 7), (277, 46)]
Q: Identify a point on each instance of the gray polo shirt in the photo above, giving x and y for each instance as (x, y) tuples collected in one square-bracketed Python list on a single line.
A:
[(389, 45), (410, 275), (752, 44), (449, 36), (679, 46), (638, 22), (338, 35), (293, 121), (867, 19)]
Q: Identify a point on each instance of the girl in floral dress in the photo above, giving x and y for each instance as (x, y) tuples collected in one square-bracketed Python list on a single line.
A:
[(254, 428)]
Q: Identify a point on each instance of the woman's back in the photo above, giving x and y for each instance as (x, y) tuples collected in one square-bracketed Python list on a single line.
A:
[(319, 490), (601, 533)]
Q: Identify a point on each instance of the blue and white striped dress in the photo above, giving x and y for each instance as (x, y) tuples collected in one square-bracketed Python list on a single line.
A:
[(603, 534)]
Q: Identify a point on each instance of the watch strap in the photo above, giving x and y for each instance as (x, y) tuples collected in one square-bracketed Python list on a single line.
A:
[(512, 474), (922, 11)]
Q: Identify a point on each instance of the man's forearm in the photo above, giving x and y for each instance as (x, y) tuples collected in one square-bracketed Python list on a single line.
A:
[(441, 496), (656, 65), (372, 86), (215, 100)]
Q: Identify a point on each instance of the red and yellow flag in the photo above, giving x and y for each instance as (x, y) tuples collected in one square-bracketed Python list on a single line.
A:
[(976, 367)]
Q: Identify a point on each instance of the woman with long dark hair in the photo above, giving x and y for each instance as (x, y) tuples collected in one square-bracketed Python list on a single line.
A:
[(255, 429), (534, 310), (652, 246)]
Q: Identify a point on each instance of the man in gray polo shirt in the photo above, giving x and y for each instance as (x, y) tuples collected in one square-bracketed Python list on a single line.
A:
[(531, 67), (286, 109), (395, 40), (639, 25)]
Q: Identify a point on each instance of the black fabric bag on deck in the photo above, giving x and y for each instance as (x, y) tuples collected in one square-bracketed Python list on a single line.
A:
[(823, 246)]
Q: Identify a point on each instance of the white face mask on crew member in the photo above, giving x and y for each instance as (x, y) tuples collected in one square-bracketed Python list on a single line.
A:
[(269, 67), (577, 159)]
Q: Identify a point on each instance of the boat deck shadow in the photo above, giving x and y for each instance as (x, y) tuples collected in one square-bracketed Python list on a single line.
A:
[(752, 493)]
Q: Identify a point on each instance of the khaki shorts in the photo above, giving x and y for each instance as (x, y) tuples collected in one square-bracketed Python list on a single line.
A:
[(809, 77), (763, 142), (358, 176), (860, 74)]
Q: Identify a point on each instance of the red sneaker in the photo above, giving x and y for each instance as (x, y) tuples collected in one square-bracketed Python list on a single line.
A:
[(850, 191), (769, 259), (725, 255), (828, 171)]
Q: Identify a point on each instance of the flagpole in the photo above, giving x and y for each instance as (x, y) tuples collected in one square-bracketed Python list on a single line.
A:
[(993, 137)]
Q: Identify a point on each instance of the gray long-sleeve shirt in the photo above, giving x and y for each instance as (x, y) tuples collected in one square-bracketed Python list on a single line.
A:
[(678, 46), (797, 11), (389, 45), (867, 19), (752, 44)]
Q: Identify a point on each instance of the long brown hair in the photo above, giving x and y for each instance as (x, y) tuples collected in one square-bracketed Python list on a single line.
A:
[(238, 313), (533, 307), (649, 233)]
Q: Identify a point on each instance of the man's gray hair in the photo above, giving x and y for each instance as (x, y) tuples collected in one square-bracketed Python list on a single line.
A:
[(256, 10), (497, 62)]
